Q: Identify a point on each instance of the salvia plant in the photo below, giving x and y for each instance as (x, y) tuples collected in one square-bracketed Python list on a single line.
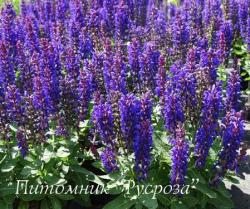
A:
[(140, 97)]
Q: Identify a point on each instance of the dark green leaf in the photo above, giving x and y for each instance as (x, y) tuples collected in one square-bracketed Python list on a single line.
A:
[(120, 203)]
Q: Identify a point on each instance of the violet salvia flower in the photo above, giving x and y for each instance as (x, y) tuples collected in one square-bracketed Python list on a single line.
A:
[(180, 154), (61, 128), (96, 69), (181, 35), (31, 34), (22, 142), (72, 63), (243, 14), (50, 72), (222, 47), (233, 91), (149, 63), (74, 29), (209, 60), (109, 14), (232, 135), (24, 8), (173, 110), (85, 44), (41, 99), (103, 120), (14, 108), (228, 30), (108, 160), (84, 93), (143, 139), (118, 73), (61, 9), (69, 100), (122, 22), (161, 29), (8, 26), (211, 106), (233, 14), (26, 74), (248, 34), (134, 52), (6, 64), (129, 108), (225, 40), (76, 12), (107, 64), (141, 12), (161, 78)]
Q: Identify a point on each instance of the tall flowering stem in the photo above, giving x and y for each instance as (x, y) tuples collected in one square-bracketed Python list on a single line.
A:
[(232, 135), (211, 106), (233, 91), (143, 140), (180, 154)]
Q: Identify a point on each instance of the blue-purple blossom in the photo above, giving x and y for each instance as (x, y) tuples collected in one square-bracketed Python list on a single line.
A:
[(108, 160), (233, 91), (129, 108), (134, 52), (84, 93), (211, 106), (103, 121), (173, 110), (232, 135), (179, 156), (22, 142), (14, 108), (143, 139), (122, 21)]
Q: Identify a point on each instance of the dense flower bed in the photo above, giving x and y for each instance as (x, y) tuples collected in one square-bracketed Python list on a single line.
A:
[(139, 85)]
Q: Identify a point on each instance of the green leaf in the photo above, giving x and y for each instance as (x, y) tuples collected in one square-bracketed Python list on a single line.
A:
[(28, 170), (52, 179), (3, 204), (163, 199), (23, 205), (232, 179), (148, 202), (222, 202), (223, 190), (63, 152), (178, 205), (195, 174), (48, 154), (65, 196), (90, 176), (138, 205), (2, 160), (7, 167), (190, 201), (206, 190), (55, 203), (120, 202), (8, 189), (45, 204)]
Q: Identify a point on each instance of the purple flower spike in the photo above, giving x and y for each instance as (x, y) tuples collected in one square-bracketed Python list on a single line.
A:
[(143, 140), (233, 91), (84, 93), (212, 104), (232, 135), (109, 161), (180, 154), (104, 123), (22, 142), (129, 107)]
